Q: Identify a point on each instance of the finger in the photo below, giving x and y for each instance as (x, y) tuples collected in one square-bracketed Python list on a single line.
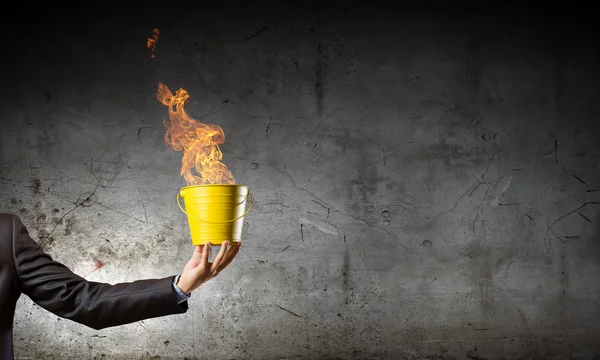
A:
[(197, 255), (230, 255), (205, 255), (219, 257)]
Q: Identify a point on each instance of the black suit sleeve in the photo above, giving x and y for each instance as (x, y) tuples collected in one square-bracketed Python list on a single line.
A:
[(57, 289)]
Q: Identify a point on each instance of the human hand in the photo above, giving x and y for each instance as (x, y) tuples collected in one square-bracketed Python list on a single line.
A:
[(199, 270)]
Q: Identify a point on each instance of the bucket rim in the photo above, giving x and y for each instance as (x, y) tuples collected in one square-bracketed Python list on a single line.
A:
[(210, 185)]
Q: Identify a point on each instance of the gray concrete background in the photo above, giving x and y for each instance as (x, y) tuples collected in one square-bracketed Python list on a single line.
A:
[(474, 135)]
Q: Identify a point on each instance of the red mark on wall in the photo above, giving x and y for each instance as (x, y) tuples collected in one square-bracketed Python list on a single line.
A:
[(99, 265)]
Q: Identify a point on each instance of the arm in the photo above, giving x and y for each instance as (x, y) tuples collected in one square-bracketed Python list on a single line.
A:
[(57, 289)]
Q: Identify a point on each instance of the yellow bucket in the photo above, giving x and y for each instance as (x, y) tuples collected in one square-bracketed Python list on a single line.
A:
[(215, 211)]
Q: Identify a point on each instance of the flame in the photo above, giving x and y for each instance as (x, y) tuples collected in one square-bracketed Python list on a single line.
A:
[(199, 142), (151, 44)]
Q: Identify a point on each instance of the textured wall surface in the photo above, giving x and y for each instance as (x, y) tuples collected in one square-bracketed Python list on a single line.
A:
[(427, 184)]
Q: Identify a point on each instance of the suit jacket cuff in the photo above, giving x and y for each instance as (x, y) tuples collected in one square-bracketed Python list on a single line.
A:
[(179, 294)]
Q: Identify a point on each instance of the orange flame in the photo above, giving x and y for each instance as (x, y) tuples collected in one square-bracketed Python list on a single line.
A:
[(152, 42), (199, 142)]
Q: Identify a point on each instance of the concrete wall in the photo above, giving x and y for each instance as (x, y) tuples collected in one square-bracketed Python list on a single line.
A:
[(426, 183)]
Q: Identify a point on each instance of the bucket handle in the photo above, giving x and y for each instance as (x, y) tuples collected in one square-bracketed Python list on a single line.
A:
[(249, 195)]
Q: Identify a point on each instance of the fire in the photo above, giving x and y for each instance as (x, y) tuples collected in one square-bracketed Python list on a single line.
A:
[(199, 142), (152, 42)]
